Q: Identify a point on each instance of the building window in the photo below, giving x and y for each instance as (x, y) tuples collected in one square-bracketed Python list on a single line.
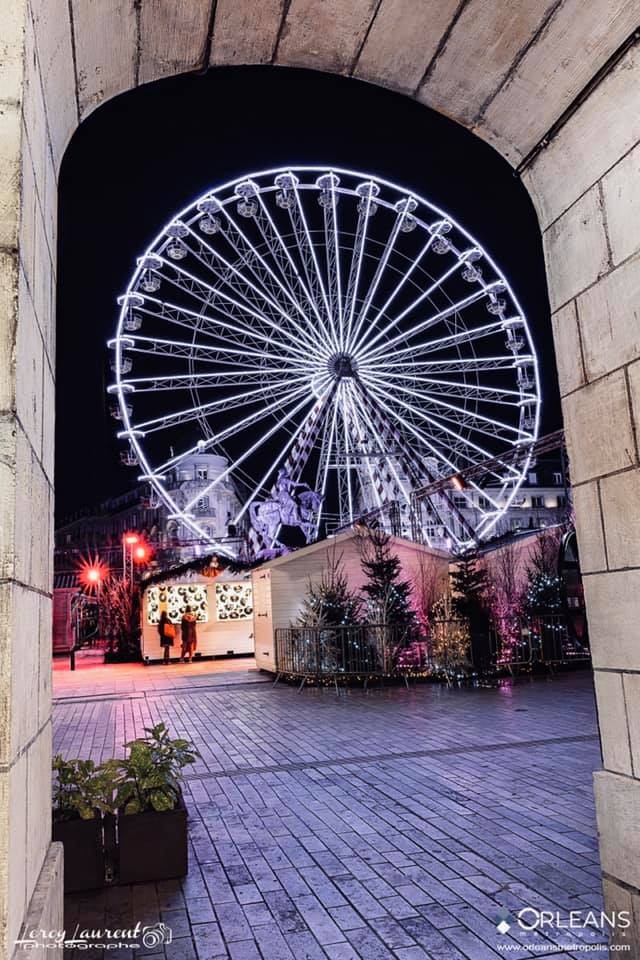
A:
[(203, 504), (460, 501), (533, 479), (483, 503), (557, 479), (202, 473), (562, 502), (537, 502)]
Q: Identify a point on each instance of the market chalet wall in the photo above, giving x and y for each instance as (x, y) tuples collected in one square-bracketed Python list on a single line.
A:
[(506, 72)]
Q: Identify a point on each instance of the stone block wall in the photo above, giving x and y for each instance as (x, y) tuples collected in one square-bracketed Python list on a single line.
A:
[(586, 185)]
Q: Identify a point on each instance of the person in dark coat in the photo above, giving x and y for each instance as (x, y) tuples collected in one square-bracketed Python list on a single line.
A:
[(167, 632), (189, 638)]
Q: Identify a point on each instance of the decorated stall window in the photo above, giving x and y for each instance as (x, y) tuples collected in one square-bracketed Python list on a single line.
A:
[(175, 599), (234, 601)]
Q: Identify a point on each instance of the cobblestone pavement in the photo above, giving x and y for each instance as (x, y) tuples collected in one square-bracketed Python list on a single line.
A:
[(394, 824)]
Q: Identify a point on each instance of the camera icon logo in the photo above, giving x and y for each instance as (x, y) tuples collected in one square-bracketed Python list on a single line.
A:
[(156, 934)]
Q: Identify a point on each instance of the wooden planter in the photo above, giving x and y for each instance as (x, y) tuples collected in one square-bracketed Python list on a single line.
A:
[(152, 846), (84, 864)]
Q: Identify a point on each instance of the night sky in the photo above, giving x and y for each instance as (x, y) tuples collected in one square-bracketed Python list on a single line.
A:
[(143, 156)]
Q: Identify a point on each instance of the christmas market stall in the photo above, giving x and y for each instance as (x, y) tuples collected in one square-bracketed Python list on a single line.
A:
[(218, 592), (282, 586)]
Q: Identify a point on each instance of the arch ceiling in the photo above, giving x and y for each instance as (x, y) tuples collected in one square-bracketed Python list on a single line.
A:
[(506, 71)]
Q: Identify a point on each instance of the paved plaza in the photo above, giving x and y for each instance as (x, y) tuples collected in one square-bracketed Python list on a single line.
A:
[(393, 824)]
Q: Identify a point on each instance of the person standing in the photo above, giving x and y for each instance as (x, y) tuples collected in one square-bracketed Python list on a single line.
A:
[(189, 638), (167, 632)]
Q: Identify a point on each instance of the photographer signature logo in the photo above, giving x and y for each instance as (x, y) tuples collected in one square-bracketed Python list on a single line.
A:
[(99, 938)]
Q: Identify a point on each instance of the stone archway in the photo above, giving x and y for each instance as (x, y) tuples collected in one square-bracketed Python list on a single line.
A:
[(566, 71)]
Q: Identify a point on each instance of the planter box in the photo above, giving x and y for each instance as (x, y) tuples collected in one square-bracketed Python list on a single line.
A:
[(84, 866), (152, 846)]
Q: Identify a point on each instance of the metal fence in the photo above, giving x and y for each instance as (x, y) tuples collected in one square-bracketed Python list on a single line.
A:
[(365, 650), (544, 639)]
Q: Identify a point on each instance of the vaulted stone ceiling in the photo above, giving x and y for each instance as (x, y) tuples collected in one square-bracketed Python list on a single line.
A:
[(506, 69)]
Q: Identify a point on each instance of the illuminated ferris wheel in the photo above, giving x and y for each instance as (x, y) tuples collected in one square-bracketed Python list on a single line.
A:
[(336, 338)]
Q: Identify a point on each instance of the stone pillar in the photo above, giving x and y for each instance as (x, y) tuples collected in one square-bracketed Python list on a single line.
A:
[(30, 866), (586, 185)]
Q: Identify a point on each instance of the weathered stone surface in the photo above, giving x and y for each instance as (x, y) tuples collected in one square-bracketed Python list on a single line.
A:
[(598, 428), (620, 495), (568, 350), (106, 48), (25, 667), (46, 907), (12, 51), (621, 188), (618, 811), (612, 602), (589, 527), (38, 803), (52, 30), (605, 127), (30, 362), (575, 249), (481, 48), (402, 41), (10, 132), (631, 683), (173, 38), (245, 33), (609, 315), (612, 719), (576, 41), (325, 36), (14, 843), (617, 899), (8, 327), (633, 372)]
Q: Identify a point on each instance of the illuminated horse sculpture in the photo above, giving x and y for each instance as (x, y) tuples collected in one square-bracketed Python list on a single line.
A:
[(293, 504)]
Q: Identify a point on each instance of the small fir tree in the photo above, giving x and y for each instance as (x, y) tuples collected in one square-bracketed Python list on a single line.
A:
[(470, 584), (388, 597), (330, 602)]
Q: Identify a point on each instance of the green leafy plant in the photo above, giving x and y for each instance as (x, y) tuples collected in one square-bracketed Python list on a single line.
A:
[(82, 788), (150, 775)]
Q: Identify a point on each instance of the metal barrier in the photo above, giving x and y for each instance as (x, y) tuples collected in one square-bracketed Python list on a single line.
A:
[(543, 639), (364, 651)]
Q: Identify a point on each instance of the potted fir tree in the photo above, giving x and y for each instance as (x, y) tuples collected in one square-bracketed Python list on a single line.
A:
[(152, 817), (82, 806)]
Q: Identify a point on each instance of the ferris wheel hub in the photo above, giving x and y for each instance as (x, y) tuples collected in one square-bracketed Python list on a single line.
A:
[(342, 366)]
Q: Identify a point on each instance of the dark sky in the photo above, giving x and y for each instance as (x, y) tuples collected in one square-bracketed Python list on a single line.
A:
[(144, 156)]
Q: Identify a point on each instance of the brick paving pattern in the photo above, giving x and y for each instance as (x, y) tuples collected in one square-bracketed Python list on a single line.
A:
[(393, 824)]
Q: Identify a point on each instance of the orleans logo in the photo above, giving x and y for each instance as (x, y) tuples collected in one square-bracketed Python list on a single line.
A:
[(503, 921)]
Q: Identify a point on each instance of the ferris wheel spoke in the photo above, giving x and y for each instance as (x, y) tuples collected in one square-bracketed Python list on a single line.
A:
[(192, 283), (358, 426), (364, 213), (460, 390), (309, 257), (473, 364), (327, 199), (242, 376), (379, 272), (203, 353), (429, 443), (257, 289), (464, 441), (368, 354), (224, 331), (466, 335), (244, 399), (282, 256), (368, 342), (253, 448), (457, 411), (388, 455)]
